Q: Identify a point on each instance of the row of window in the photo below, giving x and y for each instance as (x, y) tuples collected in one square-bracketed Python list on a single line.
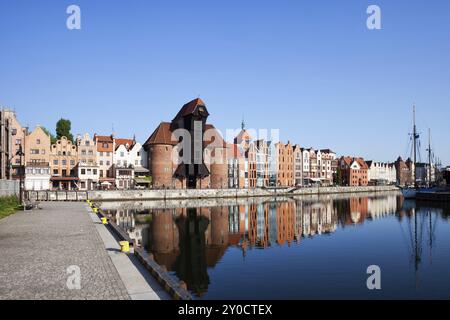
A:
[(38, 171), (63, 162)]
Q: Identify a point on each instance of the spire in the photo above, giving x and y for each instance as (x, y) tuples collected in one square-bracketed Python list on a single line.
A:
[(243, 123)]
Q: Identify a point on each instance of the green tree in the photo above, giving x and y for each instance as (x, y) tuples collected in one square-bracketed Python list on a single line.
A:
[(52, 136), (63, 128)]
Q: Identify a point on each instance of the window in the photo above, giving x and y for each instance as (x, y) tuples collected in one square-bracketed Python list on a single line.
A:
[(18, 142), (38, 141), (108, 163), (105, 145), (91, 153), (95, 171), (55, 162), (55, 172), (83, 171), (72, 162), (122, 154), (83, 152), (101, 162), (101, 154), (88, 143), (64, 162), (43, 151), (34, 151), (101, 173)]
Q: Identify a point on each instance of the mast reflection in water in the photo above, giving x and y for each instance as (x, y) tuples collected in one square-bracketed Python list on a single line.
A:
[(308, 247)]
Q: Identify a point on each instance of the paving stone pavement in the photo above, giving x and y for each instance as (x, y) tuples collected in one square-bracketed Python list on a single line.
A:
[(37, 247)]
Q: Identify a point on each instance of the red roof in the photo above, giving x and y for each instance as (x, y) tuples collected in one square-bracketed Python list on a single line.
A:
[(103, 138), (125, 142), (162, 135)]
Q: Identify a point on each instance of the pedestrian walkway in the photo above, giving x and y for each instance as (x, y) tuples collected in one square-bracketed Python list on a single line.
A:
[(40, 249)]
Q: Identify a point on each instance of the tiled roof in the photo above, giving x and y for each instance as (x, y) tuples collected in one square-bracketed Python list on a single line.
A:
[(103, 138), (162, 135), (125, 142)]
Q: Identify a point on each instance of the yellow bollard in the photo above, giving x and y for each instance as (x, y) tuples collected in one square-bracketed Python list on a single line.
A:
[(124, 246), (94, 210), (104, 220)]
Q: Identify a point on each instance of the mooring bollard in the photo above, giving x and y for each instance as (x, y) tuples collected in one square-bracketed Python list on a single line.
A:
[(104, 220), (124, 246)]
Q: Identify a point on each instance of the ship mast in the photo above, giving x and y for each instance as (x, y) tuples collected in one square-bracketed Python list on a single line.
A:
[(429, 157), (415, 137)]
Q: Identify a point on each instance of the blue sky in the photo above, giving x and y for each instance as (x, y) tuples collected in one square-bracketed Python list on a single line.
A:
[(310, 68)]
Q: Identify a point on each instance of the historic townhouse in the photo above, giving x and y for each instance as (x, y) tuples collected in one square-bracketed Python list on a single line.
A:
[(88, 169), (306, 167), (105, 150), (63, 164), (236, 167), (262, 163), (37, 160), (327, 166), (381, 173), (404, 170), (14, 139), (243, 141), (354, 171), (123, 163), (285, 175), (298, 166)]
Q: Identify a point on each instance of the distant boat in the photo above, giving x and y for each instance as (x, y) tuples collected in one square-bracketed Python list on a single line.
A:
[(411, 192)]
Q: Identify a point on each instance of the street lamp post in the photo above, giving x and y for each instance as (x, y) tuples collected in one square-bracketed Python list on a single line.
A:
[(21, 173)]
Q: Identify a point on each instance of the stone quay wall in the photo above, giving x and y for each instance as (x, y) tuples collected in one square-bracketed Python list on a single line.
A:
[(141, 195)]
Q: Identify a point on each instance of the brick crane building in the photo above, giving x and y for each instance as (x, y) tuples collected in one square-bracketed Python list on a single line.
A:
[(203, 166)]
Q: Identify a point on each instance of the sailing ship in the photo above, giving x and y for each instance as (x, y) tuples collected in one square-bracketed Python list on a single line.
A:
[(411, 191)]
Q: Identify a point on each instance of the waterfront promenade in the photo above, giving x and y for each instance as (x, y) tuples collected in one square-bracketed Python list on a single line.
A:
[(37, 248)]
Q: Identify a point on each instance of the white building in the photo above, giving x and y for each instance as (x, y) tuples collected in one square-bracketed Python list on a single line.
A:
[(37, 177), (380, 173), (326, 166)]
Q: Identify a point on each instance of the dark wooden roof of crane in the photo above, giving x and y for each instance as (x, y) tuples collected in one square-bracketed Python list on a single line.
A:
[(189, 108)]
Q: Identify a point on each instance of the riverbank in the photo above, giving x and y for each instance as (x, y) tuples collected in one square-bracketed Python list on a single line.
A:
[(158, 195), (8, 206)]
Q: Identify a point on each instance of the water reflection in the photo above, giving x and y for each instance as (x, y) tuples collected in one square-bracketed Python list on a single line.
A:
[(191, 241)]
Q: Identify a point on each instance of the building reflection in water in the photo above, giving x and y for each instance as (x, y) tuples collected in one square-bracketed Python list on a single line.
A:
[(189, 241)]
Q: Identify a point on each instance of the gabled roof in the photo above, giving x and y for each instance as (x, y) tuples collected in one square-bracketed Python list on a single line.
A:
[(103, 138), (162, 135), (242, 136), (189, 108), (362, 163), (127, 143)]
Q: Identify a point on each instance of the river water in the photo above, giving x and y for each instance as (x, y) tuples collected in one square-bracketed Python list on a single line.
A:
[(297, 248)]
